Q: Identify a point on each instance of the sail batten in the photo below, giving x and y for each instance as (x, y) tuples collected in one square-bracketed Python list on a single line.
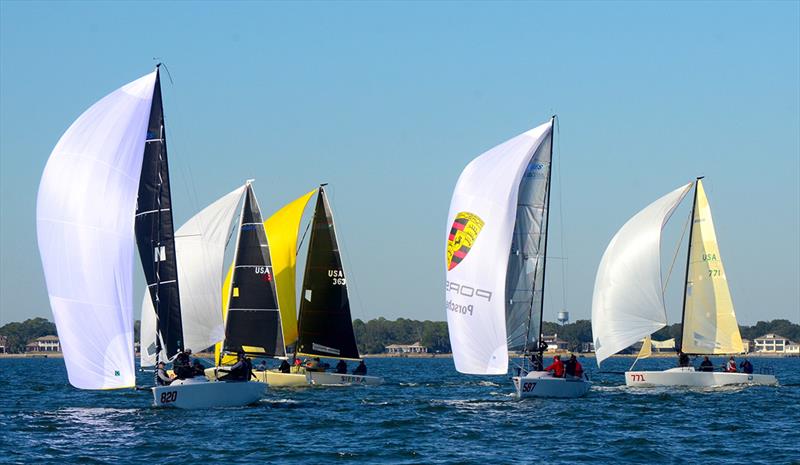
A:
[(481, 222), (628, 300), (84, 217), (325, 327)]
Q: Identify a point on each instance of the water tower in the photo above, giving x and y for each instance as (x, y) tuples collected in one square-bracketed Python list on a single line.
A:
[(563, 317)]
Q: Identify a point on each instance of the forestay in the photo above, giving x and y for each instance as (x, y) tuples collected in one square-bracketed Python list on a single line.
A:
[(84, 216), (709, 324), (628, 302), (200, 245), (480, 227)]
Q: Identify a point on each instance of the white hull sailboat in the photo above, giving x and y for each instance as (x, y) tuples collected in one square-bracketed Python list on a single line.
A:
[(689, 377), (496, 255), (199, 393), (107, 177), (628, 302)]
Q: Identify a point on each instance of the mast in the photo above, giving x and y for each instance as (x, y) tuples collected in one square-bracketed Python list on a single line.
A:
[(688, 257), (155, 235), (546, 229)]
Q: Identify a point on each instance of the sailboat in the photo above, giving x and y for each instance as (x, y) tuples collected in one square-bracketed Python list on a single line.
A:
[(324, 327), (628, 302), (106, 178), (496, 257)]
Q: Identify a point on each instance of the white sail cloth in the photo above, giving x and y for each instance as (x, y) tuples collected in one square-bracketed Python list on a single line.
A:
[(481, 222), (200, 251), (628, 301), (84, 223)]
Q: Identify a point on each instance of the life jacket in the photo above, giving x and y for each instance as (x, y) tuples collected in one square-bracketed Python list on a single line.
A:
[(578, 369), (558, 368), (731, 367)]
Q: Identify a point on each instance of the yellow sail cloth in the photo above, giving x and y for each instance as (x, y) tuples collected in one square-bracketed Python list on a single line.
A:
[(668, 344), (709, 324), (282, 230), (646, 349)]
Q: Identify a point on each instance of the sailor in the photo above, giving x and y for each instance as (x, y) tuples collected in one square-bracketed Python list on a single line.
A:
[(731, 367), (578, 369), (706, 364), (162, 378), (536, 361), (248, 369), (556, 367), (341, 367), (746, 367), (312, 364), (683, 360), (361, 369), (182, 365), (238, 372), (573, 367), (285, 367), (198, 368)]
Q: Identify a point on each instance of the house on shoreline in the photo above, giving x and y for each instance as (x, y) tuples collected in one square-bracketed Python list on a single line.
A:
[(415, 348), (47, 344)]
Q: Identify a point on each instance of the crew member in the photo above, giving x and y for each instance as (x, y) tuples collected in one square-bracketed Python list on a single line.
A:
[(341, 367), (573, 367), (731, 367), (746, 367), (683, 360), (182, 365), (162, 378), (556, 367), (706, 364), (361, 369), (285, 367), (238, 372), (198, 368)]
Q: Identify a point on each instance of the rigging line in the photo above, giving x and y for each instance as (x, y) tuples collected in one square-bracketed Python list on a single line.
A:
[(675, 256), (350, 276), (302, 239), (561, 219)]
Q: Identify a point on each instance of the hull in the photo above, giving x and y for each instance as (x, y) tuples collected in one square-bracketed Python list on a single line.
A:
[(198, 393), (334, 379), (691, 378), (542, 384), (278, 379)]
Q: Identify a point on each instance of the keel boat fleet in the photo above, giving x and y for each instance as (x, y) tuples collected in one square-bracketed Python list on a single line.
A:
[(106, 187)]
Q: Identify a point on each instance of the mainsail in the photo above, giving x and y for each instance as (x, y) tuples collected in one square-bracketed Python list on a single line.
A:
[(154, 231), (253, 322), (526, 262), (481, 223), (709, 322), (85, 216), (325, 328), (200, 247), (628, 300)]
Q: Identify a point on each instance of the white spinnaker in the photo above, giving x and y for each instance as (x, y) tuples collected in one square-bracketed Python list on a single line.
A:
[(200, 251), (84, 224), (628, 301), (475, 289)]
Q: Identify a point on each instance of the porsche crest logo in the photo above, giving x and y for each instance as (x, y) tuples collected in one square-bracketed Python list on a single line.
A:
[(465, 230)]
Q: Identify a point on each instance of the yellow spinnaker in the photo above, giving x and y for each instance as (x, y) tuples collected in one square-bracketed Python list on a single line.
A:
[(282, 230), (709, 325)]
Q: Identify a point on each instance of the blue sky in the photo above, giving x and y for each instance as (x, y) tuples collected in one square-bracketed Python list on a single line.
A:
[(387, 102)]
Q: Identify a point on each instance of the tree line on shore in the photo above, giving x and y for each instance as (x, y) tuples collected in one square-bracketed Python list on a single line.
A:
[(374, 335)]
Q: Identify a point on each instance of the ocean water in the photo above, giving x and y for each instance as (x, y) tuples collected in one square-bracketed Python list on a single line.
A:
[(426, 413)]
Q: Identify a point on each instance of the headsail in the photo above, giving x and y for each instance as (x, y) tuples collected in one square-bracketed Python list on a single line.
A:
[(253, 322), (84, 216), (325, 326), (154, 230), (200, 247), (480, 230), (628, 300), (709, 322), (526, 262), (282, 230)]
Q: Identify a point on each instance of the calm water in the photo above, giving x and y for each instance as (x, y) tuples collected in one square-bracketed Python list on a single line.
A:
[(425, 413)]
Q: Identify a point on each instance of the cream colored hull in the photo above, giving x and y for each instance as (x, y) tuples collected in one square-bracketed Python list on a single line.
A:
[(691, 378), (278, 379), (303, 378)]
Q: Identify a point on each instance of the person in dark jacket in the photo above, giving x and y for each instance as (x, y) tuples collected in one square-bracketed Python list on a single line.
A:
[(162, 378), (198, 368), (536, 362), (683, 360), (573, 367), (706, 365), (361, 369), (747, 367), (182, 365), (241, 371), (341, 367), (285, 367)]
